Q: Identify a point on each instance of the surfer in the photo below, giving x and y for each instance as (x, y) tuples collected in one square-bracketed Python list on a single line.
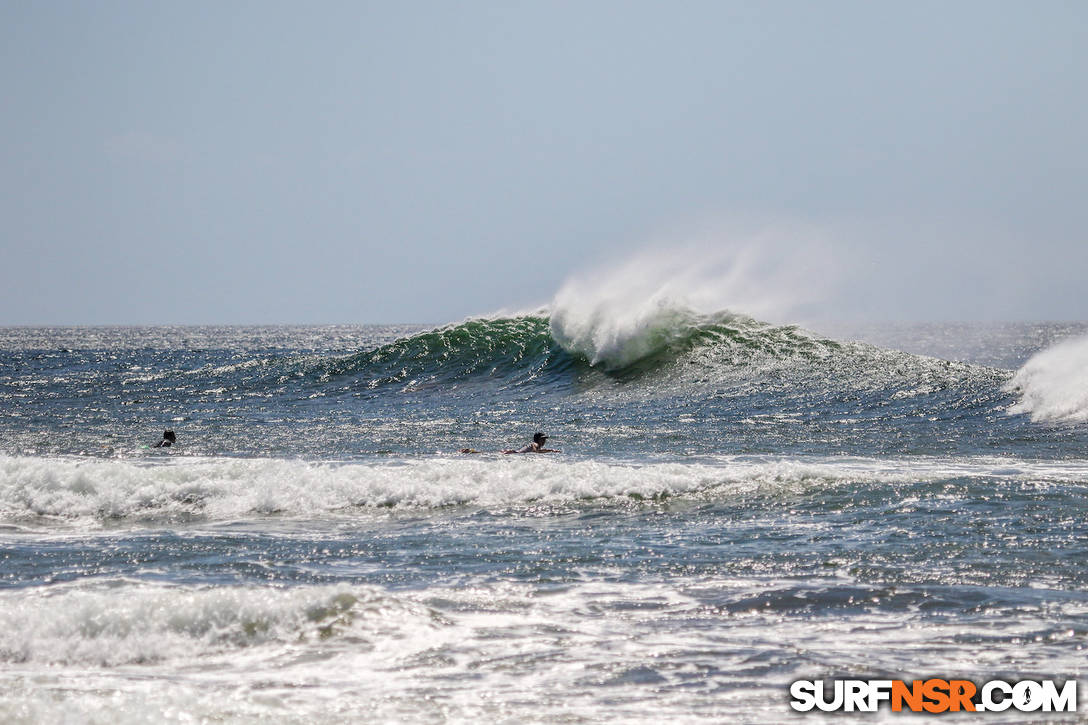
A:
[(168, 439), (537, 446)]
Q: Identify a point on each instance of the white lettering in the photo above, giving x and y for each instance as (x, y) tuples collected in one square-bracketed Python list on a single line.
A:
[(1065, 701), (879, 690), (804, 695), (994, 696), (821, 696), (855, 696), (988, 701)]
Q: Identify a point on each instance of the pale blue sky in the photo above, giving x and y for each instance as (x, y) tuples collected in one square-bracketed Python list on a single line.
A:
[(260, 162)]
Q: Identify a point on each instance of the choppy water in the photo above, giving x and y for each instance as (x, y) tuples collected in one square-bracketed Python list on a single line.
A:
[(737, 505)]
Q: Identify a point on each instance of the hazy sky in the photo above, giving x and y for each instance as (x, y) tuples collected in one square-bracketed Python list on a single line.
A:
[(261, 162)]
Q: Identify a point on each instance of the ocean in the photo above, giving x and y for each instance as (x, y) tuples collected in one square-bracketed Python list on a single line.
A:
[(737, 505)]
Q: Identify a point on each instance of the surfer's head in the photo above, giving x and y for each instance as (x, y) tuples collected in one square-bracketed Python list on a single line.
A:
[(539, 438), (168, 435)]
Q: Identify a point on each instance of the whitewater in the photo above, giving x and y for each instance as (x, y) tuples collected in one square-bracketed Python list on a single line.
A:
[(739, 503)]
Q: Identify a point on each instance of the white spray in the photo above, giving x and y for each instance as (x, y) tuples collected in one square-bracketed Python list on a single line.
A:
[(1053, 384), (616, 317)]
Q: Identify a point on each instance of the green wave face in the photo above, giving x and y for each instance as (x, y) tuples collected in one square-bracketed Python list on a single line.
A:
[(675, 349), (512, 347), (536, 347)]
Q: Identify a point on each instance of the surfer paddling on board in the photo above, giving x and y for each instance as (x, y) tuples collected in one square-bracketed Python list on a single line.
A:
[(537, 446), (168, 439)]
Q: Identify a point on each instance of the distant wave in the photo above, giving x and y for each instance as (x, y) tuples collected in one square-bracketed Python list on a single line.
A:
[(1053, 384), (625, 321), (595, 340), (666, 346), (519, 349)]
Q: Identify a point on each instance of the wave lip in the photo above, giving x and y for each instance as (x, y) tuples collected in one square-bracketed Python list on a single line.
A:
[(615, 341), (664, 332), (1053, 384)]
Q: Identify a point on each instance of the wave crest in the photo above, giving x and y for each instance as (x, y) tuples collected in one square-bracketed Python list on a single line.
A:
[(663, 331)]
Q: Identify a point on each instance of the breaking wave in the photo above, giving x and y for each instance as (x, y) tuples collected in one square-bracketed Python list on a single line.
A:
[(1053, 384), (150, 624), (556, 343), (664, 347), (91, 493)]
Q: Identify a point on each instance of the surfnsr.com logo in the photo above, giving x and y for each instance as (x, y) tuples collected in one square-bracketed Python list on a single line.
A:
[(933, 695)]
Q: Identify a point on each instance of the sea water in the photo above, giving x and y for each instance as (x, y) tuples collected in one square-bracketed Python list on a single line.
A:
[(737, 505)]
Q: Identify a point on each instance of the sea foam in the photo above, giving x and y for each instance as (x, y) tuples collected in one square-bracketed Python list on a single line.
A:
[(1053, 384), (91, 493), (93, 625)]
